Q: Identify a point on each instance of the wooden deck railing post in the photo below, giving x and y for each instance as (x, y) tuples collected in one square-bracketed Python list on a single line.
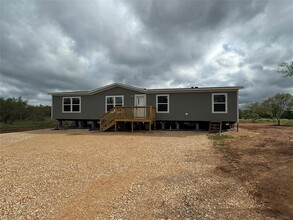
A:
[(150, 112)]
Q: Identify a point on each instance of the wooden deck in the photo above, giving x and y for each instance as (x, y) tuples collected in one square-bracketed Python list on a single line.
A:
[(130, 114)]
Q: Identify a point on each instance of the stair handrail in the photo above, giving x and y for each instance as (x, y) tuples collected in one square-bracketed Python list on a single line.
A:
[(107, 118), (124, 112)]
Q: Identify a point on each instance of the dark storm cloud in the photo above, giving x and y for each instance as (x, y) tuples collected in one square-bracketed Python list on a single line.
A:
[(173, 17), (52, 45)]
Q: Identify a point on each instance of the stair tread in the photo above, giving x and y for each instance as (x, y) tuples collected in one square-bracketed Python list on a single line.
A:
[(215, 127)]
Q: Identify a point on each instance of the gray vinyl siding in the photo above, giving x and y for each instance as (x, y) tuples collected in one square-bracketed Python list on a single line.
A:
[(198, 105), (92, 106)]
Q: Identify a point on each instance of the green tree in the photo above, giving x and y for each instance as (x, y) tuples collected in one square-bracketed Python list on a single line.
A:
[(12, 109), (8, 110), (253, 111), (286, 69), (5, 110), (39, 112), (277, 105), (21, 108)]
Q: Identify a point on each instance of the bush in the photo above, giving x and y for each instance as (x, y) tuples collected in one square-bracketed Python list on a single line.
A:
[(17, 109)]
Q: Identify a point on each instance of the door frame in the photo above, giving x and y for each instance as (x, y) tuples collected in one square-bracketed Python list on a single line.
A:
[(139, 113), (140, 95)]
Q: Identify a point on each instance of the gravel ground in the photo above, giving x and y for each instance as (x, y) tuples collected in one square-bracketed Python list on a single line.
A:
[(78, 174)]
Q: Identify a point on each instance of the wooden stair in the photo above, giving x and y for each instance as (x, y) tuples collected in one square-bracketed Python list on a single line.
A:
[(108, 120), (130, 114), (215, 127)]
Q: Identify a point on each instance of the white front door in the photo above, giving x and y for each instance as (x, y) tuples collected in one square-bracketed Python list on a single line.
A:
[(140, 100)]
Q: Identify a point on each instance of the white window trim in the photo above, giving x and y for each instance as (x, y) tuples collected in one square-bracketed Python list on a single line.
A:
[(226, 103), (71, 104), (113, 96), (162, 103)]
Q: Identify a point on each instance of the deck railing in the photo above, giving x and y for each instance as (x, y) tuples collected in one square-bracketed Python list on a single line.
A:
[(136, 113), (127, 113)]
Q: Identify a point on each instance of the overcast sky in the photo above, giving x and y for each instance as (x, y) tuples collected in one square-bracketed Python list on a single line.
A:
[(63, 45)]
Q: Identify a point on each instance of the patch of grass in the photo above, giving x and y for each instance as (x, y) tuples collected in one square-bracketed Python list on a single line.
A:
[(242, 136), (25, 125), (218, 139), (268, 120)]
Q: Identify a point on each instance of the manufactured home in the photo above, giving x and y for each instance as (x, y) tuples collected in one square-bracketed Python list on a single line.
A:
[(118, 105)]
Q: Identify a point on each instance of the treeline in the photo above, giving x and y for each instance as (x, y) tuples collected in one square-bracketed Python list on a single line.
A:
[(278, 106), (16, 109)]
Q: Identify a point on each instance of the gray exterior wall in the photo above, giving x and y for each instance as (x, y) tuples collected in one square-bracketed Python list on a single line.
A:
[(92, 106), (198, 105)]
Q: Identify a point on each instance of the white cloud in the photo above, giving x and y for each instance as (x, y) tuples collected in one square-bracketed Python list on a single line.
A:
[(49, 46)]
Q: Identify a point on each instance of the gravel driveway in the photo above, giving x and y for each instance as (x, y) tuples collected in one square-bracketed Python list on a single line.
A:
[(76, 174)]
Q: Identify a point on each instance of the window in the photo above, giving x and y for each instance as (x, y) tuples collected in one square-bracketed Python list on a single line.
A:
[(219, 101), (162, 103), (71, 105), (112, 101)]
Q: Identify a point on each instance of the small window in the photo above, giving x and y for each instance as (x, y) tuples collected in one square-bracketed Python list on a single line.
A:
[(112, 101), (118, 101), (219, 103), (71, 104), (162, 103)]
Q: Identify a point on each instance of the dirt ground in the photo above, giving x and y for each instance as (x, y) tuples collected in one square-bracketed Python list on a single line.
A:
[(79, 174), (261, 156)]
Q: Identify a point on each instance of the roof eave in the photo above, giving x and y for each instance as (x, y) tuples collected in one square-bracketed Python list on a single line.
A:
[(190, 90), (113, 85), (68, 93), (101, 89)]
